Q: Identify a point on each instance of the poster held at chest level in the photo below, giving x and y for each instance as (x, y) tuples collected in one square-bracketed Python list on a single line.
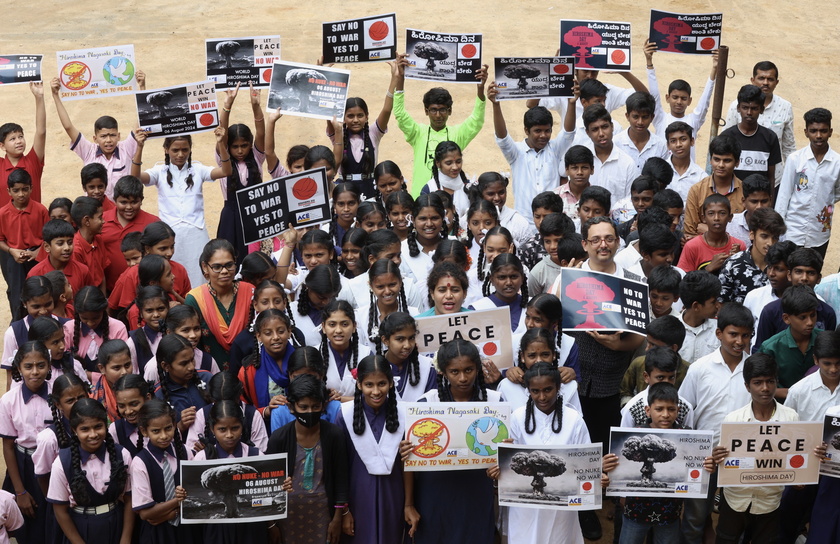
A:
[(435, 56), (594, 301), (97, 72), (550, 477), (455, 435), (307, 90), (489, 330), (659, 463), (693, 34), (241, 60), (16, 69), (368, 39), (596, 45), (534, 77), (831, 436), (770, 453), (183, 109), (268, 209)]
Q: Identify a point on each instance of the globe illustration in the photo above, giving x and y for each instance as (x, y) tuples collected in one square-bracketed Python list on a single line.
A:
[(118, 70), (484, 433)]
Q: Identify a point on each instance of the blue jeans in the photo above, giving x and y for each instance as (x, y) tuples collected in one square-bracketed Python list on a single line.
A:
[(633, 532)]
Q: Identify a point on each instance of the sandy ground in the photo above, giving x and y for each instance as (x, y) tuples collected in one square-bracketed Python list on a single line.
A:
[(169, 46)]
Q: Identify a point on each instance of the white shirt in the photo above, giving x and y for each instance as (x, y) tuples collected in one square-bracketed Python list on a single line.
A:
[(699, 341), (417, 268), (681, 183), (521, 229), (738, 228), (178, 204), (778, 117), (714, 391), (533, 171), (517, 396), (459, 198), (811, 398), (615, 174), (629, 256), (694, 119), (616, 98), (756, 300), (807, 195), (654, 147)]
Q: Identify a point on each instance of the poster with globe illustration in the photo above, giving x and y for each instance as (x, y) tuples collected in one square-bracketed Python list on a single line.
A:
[(93, 73), (692, 34), (596, 45), (550, 477), (241, 60), (455, 435), (534, 77), (435, 56), (182, 109)]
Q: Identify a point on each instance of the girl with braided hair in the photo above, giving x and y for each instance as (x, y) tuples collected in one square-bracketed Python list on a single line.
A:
[(371, 216), (114, 363), (184, 321), (345, 202), (399, 206), (389, 180), (153, 271), (448, 175), (89, 480), (481, 217), (181, 385), (387, 295), (374, 427), (265, 372), (350, 262), (413, 375), (37, 300), (307, 360), (340, 347), (131, 393), (321, 286), (90, 327), (153, 306), (49, 331), (429, 217), (510, 289)]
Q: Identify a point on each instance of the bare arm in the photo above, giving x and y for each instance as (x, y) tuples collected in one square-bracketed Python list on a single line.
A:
[(140, 76), (137, 159), (271, 159), (40, 142), (128, 521), (481, 76), (499, 125), (24, 500), (259, 118), (62, 515), (63, 116), (221, 146), (227, 105), (634, 82), (388, 105)]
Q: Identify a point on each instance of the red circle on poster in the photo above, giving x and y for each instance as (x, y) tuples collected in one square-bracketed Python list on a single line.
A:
[(694, 474), (378, 31), (707, 43), (797, 461), (490, 349), (587, 486), (618, 56), (304, 188), (206, 119), (468, 51), (266, 75), (561, 69)]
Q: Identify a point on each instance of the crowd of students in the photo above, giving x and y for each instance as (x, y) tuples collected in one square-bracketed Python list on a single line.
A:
[(138, 341)]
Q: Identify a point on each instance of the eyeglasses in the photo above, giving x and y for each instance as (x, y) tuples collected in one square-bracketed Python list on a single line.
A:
[(230, 267), (610, 240), (438, 111)]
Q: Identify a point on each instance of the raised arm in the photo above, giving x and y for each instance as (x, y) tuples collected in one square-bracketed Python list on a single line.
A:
[(481, 76), (570, 119), (388, 105), (499, 125), (40, 142), (225, 169), (137, 159), (227, 105), (634, 81), (63, 116), (259, 118), (271, 159), (140, 76)]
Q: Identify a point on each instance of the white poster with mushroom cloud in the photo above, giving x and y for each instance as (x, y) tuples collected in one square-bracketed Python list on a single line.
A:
[(436, 56), (241, 60), (97, 72), (534, 77), (308, 90), (234, 489), (659, 463), (550, 477), (182, 109)]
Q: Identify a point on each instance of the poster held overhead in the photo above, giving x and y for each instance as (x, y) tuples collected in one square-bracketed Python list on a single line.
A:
[(306, 90), (97, 72), (534, 77), (489, 330), (241, 60), (594, 301), (182, 109), (369, 39), (435, 56), (16, 69), (692, 34), (596, 45)]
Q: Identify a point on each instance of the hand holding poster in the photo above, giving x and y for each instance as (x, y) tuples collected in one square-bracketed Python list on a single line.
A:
[(675, 456), (241, 60), (489, 330), (234, 490), (596, 45), (770, 453), (455, 435), (20, 69), (830, 465), (550, 477), (433, 56), (594, 301), (695, 34), (103, 71), (183, 109), (534, 77), (299, 200), (361, 40), (306, 90)]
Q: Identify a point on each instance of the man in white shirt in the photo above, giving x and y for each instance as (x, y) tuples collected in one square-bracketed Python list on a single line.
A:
[(614, 169)]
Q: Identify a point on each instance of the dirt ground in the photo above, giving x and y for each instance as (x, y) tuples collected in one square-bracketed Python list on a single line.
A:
[(169, 46)]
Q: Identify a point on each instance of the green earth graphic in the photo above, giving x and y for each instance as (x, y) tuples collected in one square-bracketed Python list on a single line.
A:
[(484, 433), (118, 70)]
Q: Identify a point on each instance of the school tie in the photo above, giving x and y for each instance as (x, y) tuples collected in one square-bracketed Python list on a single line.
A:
[(169, 485)]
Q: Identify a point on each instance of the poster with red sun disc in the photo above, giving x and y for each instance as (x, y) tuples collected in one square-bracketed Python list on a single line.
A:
[(182, 109), (489, 330), (596, 45), (692, 34), (534, 77), (594, 301), (435, 56), (770, 453), (369, 39), (241, 60), (551, 477)]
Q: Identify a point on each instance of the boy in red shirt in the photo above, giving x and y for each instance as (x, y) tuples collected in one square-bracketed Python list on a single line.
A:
[(710, 250), (58, 245), (88, 246), (95, 182), (14, 144)]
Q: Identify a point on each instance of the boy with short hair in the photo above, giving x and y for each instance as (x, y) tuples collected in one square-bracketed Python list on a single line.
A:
[(625, 211), (660, 366), (754, 510), (757, 194), (631, 255), (132, 249), (58, 245), (62, 293), (793, 347), (665, 331), (670, 201), (553, 233), (88, 247), (810, 185), (13, 142), (21, 222), (679, 137), (664, 291), (656, 245), (637, 141), (580, 164), (614, 169), (777, 278), (594, 202), (532, 251), (710, 250), (725, 153), (760, 148), (744, 271), (699, 292), (95, 183), (127, 216)]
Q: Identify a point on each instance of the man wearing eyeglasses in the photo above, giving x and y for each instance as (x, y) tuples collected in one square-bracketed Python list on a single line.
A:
[(424, 138)]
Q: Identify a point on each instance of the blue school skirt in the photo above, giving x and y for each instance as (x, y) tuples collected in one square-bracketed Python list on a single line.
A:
[(33, 530), (166, 533), (104, 527), (238, 533)]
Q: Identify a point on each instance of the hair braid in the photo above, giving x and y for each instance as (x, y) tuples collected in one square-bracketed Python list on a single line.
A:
[(180, 450), (530, 419), (77, 334), (414, 367), (403, 307), (367, 154), (254, 359), (479, 384), (480, 265), (60, 431), (485, 287), (358, 413), (289, 311), (189, 165), (411, 241), (444, 394), (373, 320), (140, 441), (455, 227), (557, 418), (78, 483), (524, 290), (209, 439), (303, 300), (119, 472), (168, 171), (324, 346), (392, 418), (354, 347), (106, 328)]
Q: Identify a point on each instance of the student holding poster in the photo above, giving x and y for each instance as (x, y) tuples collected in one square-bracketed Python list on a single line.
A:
[(425, 138)]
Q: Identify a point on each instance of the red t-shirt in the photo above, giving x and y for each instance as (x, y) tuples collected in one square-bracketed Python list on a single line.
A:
[(125, 290), (29, 162), (112, 236), (78, 275), (22, 229), (93, 255), (697, 254)]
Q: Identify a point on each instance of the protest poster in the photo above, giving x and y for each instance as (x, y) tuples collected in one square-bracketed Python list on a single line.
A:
[(16, 69), (594, 301), (693, 34), (660, 463), (241, 60), (831, 436), (368, 39), (182, 109), (770, 453), (270, 208), (550, 477), (97, 72), (534, 77), (234, 489), (455, 435), (307, 90), (489, 330), (596, 45), (435, 56)]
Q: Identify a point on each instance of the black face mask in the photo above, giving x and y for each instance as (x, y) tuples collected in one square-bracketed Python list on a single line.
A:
[(308, 419)]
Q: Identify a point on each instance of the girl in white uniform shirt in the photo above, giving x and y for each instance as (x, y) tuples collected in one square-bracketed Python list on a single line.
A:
[(417, 250), (340, 347), (481, 217), (448, 175), (455, 252), (387, 295), (492, 186), (510, 289), (180, 201)]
